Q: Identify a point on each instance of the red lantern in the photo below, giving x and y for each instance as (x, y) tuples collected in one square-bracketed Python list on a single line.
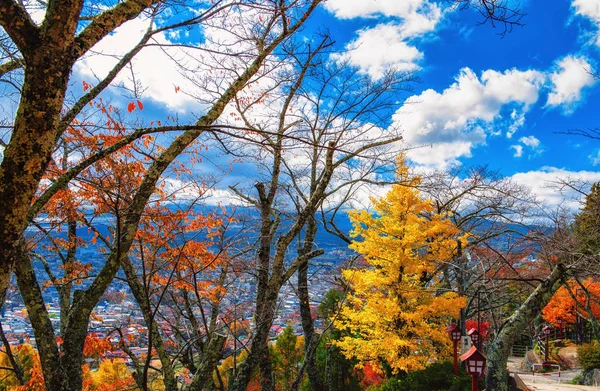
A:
[(547, 333), (455, 334), (546, 330), (475, 337), (475, 364)]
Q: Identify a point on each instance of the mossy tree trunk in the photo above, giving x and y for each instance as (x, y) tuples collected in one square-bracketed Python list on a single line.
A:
[(499, 350)]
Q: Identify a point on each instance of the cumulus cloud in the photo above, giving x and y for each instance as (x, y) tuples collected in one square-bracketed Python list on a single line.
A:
[(543, 184), (530, 141), (458, 119), (387, 45), (589, 9), (518, 150), (153, 66), (569, 79), (178, 69), (347, 9), (381, 48), (518, 120), (218, 197), (595, 158)]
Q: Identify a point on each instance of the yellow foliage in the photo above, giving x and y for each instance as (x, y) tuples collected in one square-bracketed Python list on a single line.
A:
[(226, 366), (27, 358), (395, 311), (111, 374)]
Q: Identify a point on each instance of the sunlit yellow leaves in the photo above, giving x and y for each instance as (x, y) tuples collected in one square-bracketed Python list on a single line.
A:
[(112, 375), (395, 311)]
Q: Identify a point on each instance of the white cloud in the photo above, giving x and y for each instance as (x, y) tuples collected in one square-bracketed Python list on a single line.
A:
[(518, 150), (518, 120), (571, 76), (387, 45), (530, 141), (36, 10), (381, 48), (416, 24), (595, 158), (459, 118), (347, 9), (153, 67), (223, 197), (201, 70), (589, 9), (543, 184)]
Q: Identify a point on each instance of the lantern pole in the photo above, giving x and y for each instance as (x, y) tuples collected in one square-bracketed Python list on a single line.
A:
[(474, 383), (455, 358), (547, 333), (546, 358), (479, 319)]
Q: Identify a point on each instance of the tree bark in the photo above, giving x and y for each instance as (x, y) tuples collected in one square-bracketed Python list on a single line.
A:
[(497, 375), (210, 360), (311, 339), (141, 296), (259, 350), (50, 358), (49, 53)]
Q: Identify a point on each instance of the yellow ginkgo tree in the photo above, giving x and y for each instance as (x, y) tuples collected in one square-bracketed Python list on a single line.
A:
[(396, 310)]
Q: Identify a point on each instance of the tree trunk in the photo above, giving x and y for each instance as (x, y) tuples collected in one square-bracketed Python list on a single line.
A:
[(497, 375), (259, 350), (73, 340), (311, 339), (27, 154), (50, 357), (141, 297), (210, 360)]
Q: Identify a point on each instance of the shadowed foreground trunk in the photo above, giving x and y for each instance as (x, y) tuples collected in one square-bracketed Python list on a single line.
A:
[(497, 376), (209, 363), (311, 339)]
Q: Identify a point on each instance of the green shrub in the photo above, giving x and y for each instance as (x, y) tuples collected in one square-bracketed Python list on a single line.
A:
[(575, 379), (437, 376), (589, 355)]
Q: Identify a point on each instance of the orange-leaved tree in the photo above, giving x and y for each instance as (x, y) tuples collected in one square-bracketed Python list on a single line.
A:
[(562, 307), (395, 311), (178, 265)]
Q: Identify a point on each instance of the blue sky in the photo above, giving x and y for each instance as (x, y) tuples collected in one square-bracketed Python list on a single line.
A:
[(482, 98), (485, 98), (553, 34)]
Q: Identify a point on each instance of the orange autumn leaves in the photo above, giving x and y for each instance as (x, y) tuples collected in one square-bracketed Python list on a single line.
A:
[(131, 106), (176, 245), (109, 374), (394, 311), (169, 239), (563, 307)]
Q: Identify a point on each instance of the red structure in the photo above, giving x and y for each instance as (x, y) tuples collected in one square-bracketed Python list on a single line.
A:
[(475, 364), (455, 333), (547, 333), (475, 337)]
